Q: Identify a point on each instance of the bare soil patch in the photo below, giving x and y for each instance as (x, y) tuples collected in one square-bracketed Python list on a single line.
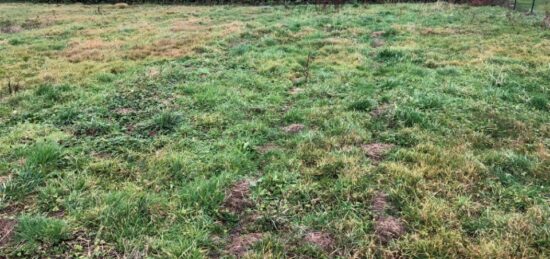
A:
[(379, 203), (153, 72), (240, 244), (237, 198), (321, 239), (293, 128), (377, 34), (7, 227), (57, 214), (87, 247), (266, 148), (9, 29), (296, 91), (124, 111), (377, 43), (377, 151), (546, 21), (388, 228), (380, 111)]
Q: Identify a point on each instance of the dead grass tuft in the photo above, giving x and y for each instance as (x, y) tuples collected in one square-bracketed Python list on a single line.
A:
[(193, 24), (96, 50), (440, 31)]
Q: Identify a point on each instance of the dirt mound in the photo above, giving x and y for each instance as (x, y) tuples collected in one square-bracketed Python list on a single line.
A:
[(388, 228), (379, 203), (121, 5), (6, 230), (296, 90), (240, 244), (237, 198), (124, 111), (379, 111), (293, 128), (9, 28), (377, 34), (376, 151), (377, 43), (266, 148), (321, 239)]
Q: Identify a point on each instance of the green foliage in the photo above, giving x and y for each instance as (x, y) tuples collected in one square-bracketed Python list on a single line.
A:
[(363, 105), (44, 154), (165, 121), (23, 183), (39, 229)]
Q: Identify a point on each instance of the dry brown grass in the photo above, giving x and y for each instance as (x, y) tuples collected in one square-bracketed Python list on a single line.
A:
[(96, 50), (90, 42), (193, 24)]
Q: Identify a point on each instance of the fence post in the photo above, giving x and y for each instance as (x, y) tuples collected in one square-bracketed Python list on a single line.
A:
[(515, 4), (532, 6)]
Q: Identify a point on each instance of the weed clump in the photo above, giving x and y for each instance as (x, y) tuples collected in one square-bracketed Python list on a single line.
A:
[(390, 55), (410, 117), (39, 229), (165, 121), (43, 154), (539, 102), (23, 183), (365, 105)]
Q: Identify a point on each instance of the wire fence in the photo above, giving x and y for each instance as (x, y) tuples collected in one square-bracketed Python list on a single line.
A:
[(531, 6)]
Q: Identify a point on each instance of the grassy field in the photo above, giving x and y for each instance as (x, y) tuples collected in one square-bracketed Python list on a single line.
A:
[(410, 130)]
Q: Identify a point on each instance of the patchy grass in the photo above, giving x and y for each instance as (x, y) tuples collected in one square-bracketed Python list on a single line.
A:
[(409, 130)]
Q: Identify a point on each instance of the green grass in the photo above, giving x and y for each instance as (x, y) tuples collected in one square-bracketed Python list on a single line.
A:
[(133, 127)]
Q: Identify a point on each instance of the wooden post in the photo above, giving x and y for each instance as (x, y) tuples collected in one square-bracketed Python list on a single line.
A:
[(9, 86), (515, 4), (532, 6)]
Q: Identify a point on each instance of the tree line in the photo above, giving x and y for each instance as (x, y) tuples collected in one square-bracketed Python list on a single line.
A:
[(215, 2)]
